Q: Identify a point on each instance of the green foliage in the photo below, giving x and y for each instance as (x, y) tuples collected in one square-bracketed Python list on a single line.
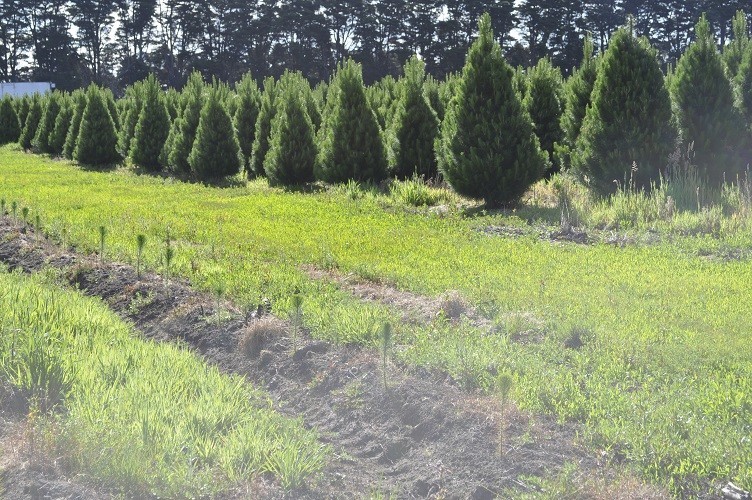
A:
[(414, 127), (350, 139), (705, 109), (10, 131), (743, 83), (734, 52), (264, 127), (383, 97), (249, 103), (32, 122), (543, 102), (487, 148), (41, 141), (79, 105), (186, 126), (629, 121), (97, 138), (292, 149), (152, 127), (133, 102), (62, 123), (215, 152), (432, 88), (22, 110)]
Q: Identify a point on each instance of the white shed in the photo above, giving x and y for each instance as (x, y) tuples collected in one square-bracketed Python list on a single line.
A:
[(20, 89)]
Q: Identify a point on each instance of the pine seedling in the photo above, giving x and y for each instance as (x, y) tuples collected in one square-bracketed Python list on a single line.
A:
[(2, 206), (219, 293), (296, 318), (102, 236), (14, 210), (169, 254), (25, 214), (140, 244), (386, 341), (504, 386)]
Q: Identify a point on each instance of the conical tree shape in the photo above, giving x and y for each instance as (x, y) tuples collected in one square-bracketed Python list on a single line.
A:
[(134, 102), (744, 85), (629, 121), (109, 100), (62, 124), (351, 142), (292, 148), (414, 127), (432, 89), (22, 110), (187, 124), (249, 103), (41, 141), (152, 127), (32, 122), (488, 149), (79, 105), (9, 129), (263, 127), (383, 97), (543, 102), (734, 51), (216, 152), (577, 93), (704, 102), (97, 139)]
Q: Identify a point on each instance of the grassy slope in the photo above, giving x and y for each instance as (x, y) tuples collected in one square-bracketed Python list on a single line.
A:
[(665, 376), (147, 418)]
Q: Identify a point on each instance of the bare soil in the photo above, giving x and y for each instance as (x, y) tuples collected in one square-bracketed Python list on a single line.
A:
[(421, 437)]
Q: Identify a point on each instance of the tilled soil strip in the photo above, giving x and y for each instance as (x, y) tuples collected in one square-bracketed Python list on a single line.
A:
[(420, 438)]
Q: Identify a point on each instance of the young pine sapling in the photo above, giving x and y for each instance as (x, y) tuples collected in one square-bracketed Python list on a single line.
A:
[(25, 214), (140, 244), (169, 254), (2, 206), (14, 210), (102, 236)]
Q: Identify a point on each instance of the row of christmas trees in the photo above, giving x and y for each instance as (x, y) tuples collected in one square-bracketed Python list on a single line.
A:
[(490, 131)]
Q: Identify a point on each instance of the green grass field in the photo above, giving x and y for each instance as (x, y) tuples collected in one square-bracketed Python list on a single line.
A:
[(664, 376)]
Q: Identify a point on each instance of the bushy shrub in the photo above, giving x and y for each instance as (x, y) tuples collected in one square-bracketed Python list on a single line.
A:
[(487, 148), (350, 140), (263, 127), (249, 102), (97, 138), (152, 127), (33, 118), (10, 131), (216, 152), (629, 121), (543, 102)]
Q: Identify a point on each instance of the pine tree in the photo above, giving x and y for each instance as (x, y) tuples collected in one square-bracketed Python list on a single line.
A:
[(152, 127), (62, 124), (432, 89), (133, 103), (743, 83), (9, 129), (264, 127), (216, 152), (79, 105), (543, 102), (22, 110), (383, 97), (351, 142), (414, 127), (292, 148), (41, 141), (488, 149), (187, 124), (577, 93), (705, 110), (109, 100), (249, 102), (734, 51), (629, 121), (97, 138), (32, 122)]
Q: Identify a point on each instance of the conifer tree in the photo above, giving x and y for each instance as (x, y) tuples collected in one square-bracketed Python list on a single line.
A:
[(743, 83), (97, 138), (79, 105), (249, 102), (62, 123), (705, 110), (22, 110), (629, 121), (414, 127), (152, 127), (32, 122), (488, 149), (133, 103), (264, 127), (734, 51), (109, 100), (383, 97), (543, 102), (292, 148), (187, 124), (9, 128), (41, 141), (433, 94), (577, 93), (216, 152), (351, 142)]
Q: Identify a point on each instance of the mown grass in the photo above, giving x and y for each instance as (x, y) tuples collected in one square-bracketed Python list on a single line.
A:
[(663, 378), (140, 417)]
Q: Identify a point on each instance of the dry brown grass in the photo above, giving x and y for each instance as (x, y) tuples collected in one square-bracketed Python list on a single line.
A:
[(453, 305), (258, 333)]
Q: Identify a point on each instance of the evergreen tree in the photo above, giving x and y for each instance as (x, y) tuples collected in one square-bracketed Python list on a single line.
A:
[(187, 124), (216, 152), (432, 88), (734, 51), (62, 124), (705, 110), (414, 127), (744, 85), (109, 100), (41, 141), (152, 127), (351, 142), (543, 102), (488, 149), (577, 93), (32, 122), (383, 97), (9, 129), (22, 110), (629, 121), (133, 103), (249, 102), (292, 147), (264, 127), (97, 138), (79, 105)]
